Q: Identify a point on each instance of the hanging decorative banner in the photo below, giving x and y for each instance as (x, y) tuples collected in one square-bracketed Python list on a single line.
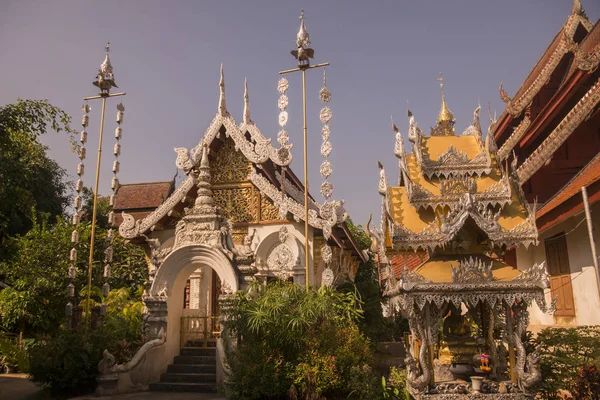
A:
[(327, 211), (282, 136), (108, 253), (77, 205)]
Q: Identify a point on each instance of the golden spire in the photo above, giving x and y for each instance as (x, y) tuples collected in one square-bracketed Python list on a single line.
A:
[(445, 121)]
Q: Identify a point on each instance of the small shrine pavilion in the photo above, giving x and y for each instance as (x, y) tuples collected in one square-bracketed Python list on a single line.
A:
[(467, 309)]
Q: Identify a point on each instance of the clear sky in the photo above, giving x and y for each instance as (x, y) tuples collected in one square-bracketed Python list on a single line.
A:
[(166, 56)]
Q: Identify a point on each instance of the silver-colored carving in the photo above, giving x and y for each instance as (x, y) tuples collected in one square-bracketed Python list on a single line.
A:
[(283, 85), (325, 115), (326, 169), (283, 118), (327, 277), (325, 132), (326, 189), (326, 149), (472, 270), (283, 234), (283, 101), (326, 254)]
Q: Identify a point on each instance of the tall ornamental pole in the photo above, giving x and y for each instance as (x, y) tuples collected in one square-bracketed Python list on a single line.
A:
[(105, 81), (303, 54)]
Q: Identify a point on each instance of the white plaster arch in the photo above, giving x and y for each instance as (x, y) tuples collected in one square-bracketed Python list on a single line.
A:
[(271, 241), (189, 258), (172, 276)]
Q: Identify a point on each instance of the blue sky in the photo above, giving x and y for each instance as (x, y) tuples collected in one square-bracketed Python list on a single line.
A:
[(166, 56)]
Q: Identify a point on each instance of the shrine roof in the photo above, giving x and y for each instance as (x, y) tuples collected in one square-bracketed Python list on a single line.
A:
[(590, 44), (440, 268), (148, 195), (589, 175), (483, 182), (435, 146), (409, 259), (541, 63)]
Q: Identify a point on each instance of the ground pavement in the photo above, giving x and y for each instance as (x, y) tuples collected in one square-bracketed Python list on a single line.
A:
[(158, 396), (18, 387)]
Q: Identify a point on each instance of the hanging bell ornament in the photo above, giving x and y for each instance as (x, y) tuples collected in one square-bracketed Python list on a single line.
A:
[(103, 309), (105, 289), (71, 290), (72, 272), (69, 309), (107, 271)]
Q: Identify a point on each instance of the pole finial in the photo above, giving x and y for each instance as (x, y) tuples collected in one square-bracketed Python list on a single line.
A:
[(105, 79), (303, 53)]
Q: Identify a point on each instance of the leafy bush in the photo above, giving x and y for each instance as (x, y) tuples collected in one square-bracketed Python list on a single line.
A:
[(587, 384), (12, 354), (295, 343), (67, 363), (564, 352)]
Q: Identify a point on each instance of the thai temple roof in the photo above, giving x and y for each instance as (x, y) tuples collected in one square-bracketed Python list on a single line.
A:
[(455, 201), (447, 181)]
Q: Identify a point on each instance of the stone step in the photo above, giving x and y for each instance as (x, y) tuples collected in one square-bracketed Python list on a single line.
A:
[(195, 360), (191, 378), (197, 351), (183, 387), (190, 369), (201, 343)]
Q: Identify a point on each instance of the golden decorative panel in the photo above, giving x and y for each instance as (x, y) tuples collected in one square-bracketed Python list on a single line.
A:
[(268, 210), (237, 204), (229, 165)]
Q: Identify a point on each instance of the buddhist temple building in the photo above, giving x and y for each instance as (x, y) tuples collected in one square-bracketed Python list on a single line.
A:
[(550, 131), (456, 202), (236, 216)]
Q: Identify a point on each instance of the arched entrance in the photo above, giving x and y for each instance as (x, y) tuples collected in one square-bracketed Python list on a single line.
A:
[(171, 279)]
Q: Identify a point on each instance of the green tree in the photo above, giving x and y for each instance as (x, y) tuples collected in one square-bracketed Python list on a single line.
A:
[(359, 234), (305, 343), (37, 275), (29, 179)]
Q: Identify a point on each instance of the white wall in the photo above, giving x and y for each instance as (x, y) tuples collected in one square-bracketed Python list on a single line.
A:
[(583, 276)]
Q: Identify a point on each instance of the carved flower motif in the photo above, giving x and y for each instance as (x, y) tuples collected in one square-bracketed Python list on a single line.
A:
[(326, 169), (283, 137), (327, 277), (283, 118), (283, 234), (326, 231), (283, 102), (326, 189), (326, 149), (325, 115), (283, 85), (326, 254), (325, 132), (327, 210), (283, 209), (325, 95)]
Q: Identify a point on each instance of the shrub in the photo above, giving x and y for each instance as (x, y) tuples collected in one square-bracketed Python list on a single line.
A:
[(564, 352), (67, 363), (587, 384), (295, 343)]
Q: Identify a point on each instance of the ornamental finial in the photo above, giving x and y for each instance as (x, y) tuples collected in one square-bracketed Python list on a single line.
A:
[(247, 119), (303, 54), (445, 121), (302, 38), (105, 79), (222, 106), (204, 161), (577, 8)]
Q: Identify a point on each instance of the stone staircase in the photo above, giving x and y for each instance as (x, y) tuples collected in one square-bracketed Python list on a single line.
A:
[(193, 370)]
